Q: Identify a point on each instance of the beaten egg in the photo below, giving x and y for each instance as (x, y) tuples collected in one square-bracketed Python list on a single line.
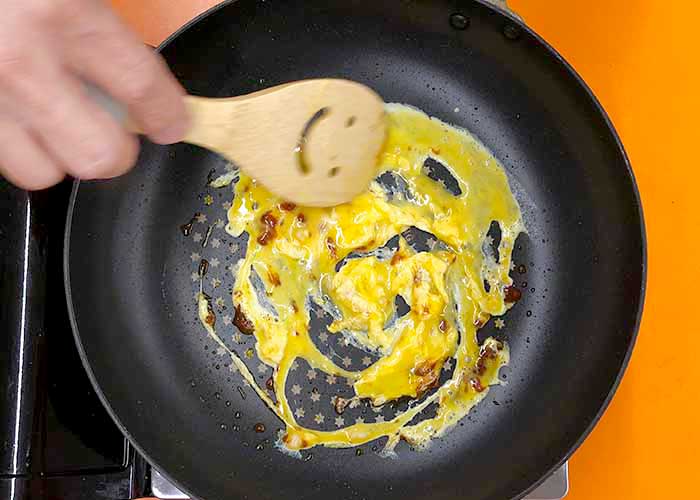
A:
[(433, 178)]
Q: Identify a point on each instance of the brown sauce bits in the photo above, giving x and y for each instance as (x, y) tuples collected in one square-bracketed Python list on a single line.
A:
[(487, 354), (273, 278), (269, 222), (330, 244), (294, 441), (287, 206), (242, 322), (475, 383), (396, 258), (481, 320), (267, 236), (422, 369), (203, 267), (429, 374), (511, 294), (210, 318), (187, 227), (268, 219), (339, 404)]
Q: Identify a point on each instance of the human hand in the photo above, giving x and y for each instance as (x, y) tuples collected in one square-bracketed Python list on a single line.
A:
[(49, 127)]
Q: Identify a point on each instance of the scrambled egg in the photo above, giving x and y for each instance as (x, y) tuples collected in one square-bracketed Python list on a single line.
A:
[(452, 290)]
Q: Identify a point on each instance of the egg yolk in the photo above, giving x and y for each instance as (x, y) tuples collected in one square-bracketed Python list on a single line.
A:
[(432, 178)]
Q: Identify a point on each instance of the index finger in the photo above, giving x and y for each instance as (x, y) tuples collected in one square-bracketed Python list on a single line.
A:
[(102, 49)]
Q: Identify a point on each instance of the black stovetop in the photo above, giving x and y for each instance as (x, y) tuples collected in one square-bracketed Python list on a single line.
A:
[(57, 440)]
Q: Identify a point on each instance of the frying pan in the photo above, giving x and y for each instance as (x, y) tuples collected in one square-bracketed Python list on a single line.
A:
[(131, 272)]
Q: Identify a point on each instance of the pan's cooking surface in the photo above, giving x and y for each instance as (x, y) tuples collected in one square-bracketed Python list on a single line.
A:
[(365, 271), (130, 266)]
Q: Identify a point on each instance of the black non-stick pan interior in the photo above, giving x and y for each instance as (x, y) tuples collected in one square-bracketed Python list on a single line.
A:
[(130, 267)]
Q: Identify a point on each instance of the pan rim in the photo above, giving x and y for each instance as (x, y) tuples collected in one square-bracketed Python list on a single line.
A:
[(638, 205), (642, 226)]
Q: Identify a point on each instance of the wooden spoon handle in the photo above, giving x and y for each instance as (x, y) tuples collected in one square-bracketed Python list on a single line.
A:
[(312, 142), (208, 128), (203, 131)]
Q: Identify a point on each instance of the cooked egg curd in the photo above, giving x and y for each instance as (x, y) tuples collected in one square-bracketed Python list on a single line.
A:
[(452, 289)]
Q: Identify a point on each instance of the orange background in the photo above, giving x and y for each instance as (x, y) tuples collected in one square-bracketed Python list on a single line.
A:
[(640, 58)]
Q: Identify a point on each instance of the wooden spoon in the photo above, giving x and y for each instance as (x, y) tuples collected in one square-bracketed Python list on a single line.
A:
[(312, 142)]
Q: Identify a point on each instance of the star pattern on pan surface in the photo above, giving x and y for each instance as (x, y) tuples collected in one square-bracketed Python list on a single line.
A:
[(319, 400)]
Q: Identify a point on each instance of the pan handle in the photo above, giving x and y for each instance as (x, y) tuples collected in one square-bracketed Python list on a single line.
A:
[(106, 102)]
